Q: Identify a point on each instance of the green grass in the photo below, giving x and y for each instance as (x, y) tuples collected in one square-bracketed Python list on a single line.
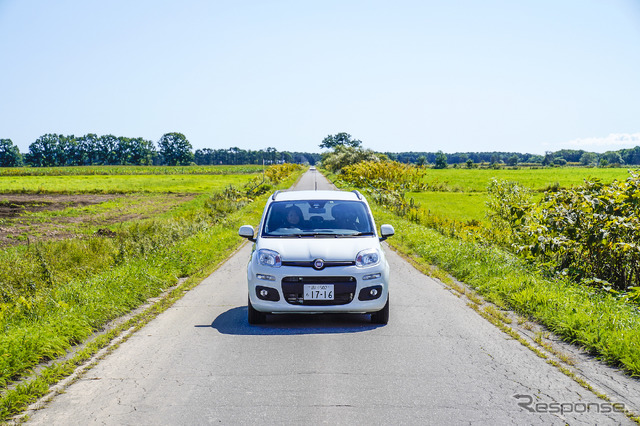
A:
[(459, 206), (477, 180), (113, 184), (130, 170), (463, 192), (605, 325), (132, 204), (85, 220), (57, 293)]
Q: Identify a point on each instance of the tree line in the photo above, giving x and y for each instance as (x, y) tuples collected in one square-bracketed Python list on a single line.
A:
[(235, 155), (172, 149), (53, 150), (344, 146), (630, 156)]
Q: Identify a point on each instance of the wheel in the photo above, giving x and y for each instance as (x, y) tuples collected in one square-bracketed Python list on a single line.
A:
[(255, 317), (382, 316)]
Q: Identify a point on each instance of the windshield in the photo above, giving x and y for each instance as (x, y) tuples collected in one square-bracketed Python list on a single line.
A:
[(312, 218)]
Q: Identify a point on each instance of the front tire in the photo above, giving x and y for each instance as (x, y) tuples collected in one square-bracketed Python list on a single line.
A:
[(382, 316), (254, 316)]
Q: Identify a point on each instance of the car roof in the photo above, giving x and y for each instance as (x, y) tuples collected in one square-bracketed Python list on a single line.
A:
[(315, 195)]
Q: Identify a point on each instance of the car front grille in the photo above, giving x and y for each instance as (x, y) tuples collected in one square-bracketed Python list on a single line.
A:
[(326, 264), (344, 289)]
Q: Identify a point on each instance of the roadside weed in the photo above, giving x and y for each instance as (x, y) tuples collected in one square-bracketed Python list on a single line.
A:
[(55, 294)]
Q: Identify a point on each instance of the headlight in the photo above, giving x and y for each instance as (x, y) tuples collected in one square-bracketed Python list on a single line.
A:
[(368, 257), (269, 258)]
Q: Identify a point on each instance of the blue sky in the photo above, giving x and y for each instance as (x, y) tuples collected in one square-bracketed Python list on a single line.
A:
[(526, 76)]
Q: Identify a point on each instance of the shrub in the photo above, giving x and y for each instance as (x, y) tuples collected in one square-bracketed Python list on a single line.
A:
[(389, 175), (344, 156), (591, 233)]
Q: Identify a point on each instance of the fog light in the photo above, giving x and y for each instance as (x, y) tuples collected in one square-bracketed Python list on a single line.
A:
[(267, 293), (370, 293)]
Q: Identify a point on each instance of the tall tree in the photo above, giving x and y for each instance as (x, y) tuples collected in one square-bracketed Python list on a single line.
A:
[(9, 154), (45, 151), (631, 156), (340, 139), (140, 151), (271, 155), (123, 151), (233, 154), (88, 147), (108, 150), (441, 160), (204, 157), (589, 158), (73, 156), (613, 157), (175, 149)]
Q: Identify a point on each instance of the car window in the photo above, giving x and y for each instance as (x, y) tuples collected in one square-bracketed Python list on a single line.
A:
[(316, 218)]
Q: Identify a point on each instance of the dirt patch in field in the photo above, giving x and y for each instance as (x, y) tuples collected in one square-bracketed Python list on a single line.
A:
[(20, 223), (12, 205)]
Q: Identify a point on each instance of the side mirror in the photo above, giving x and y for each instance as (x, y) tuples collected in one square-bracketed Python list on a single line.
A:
[(386, 231), (246, 231)]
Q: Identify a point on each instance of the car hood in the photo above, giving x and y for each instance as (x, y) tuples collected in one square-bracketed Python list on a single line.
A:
[(303, 249)]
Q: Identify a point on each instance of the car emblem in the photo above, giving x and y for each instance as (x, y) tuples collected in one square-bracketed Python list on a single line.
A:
[(318, 264)]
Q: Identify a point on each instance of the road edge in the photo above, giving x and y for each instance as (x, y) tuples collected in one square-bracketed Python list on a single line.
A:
[(567, 358)]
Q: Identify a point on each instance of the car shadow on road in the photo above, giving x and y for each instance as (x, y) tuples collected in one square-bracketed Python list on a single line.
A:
[(234, 321)]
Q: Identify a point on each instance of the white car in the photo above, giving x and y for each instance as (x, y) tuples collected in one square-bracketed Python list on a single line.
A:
[(317, 252)]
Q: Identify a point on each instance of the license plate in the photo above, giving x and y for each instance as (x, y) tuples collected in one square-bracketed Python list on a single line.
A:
[(318, 292)]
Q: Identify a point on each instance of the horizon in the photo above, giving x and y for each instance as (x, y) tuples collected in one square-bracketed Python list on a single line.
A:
[(324, 150)]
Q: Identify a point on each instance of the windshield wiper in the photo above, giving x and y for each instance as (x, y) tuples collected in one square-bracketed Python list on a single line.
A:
[(323, 234), (355, 234), (307, 235)]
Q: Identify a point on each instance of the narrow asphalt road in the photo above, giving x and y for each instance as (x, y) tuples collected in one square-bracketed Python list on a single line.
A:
[(436, 362)]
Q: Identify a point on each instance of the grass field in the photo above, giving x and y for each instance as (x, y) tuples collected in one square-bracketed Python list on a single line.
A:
[(129, 170), (462, 193), (57, 290), (90, 258), (66, 204), (437, 237), (602, 323), (477, 180), (114, 184)]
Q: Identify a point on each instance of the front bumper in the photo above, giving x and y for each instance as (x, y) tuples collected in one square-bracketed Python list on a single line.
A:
[(282, 288)]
